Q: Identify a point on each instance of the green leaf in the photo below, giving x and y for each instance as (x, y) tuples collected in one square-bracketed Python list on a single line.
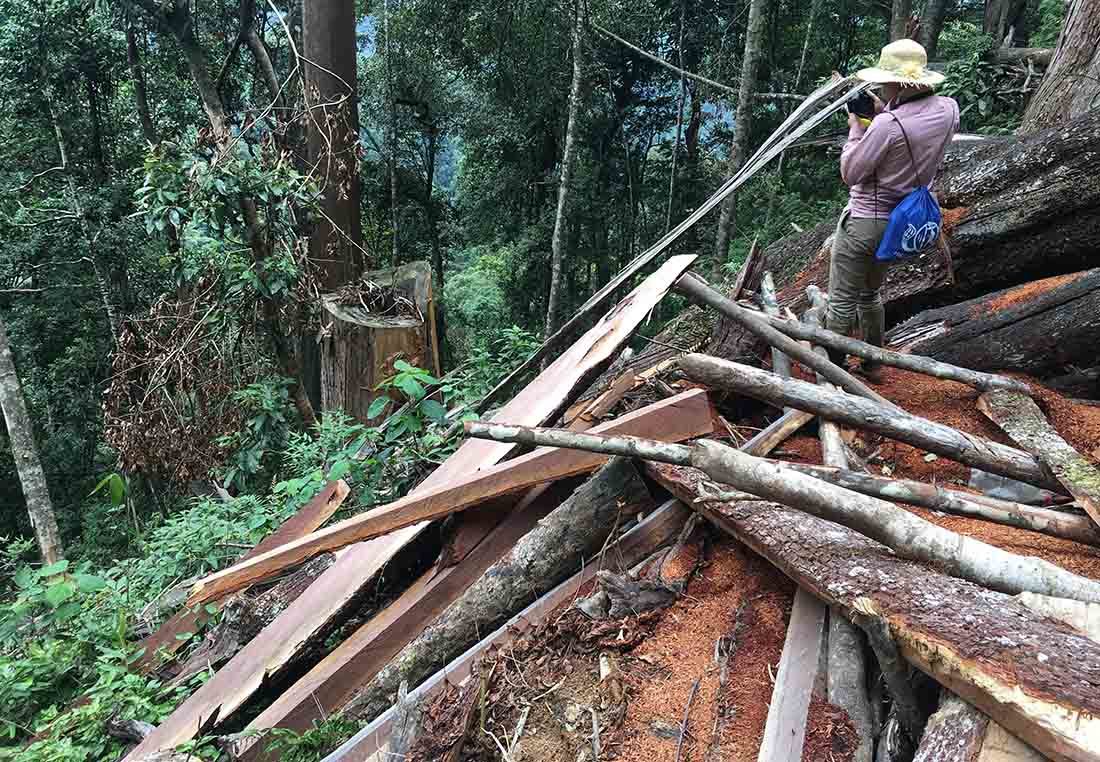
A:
[(433, 410), (89, 583), (59, 593), (50, 570), (211, 609), (339, 469), (411, 387), (377, 407), (404, 367)]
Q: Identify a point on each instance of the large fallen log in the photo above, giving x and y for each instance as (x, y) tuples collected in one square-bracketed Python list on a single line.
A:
[(1038, 328), (1037, 677), (906, 534), (657, 529), (327, 599), (865, 414), (681, 417), (1015, 211), (1022, 420), (569, 536)]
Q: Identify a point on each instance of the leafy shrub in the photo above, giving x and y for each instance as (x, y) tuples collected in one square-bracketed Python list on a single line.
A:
[(1049, 15)]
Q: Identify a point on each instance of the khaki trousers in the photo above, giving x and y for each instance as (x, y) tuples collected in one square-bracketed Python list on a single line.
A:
[(855, 279)]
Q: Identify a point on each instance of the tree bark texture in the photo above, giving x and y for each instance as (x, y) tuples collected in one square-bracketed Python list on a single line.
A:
[(900, 12), (931, 24), (571, 534), (329, 47), (559, 243), (1015, 211), (864, 414), (137, 73), (1071, 84), (1038, 677), (1038, 328), (954, 733), (742, 120), (1001, 17), (1025, 423), (25, 453)]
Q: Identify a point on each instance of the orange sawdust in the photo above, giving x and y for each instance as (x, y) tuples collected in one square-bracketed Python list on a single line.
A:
[(830, 734), (736, 593), (1078, 424), (1025, 292), (952, 217), (800, 448)]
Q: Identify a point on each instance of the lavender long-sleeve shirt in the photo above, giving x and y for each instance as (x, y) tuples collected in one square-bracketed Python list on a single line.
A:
[(879, 152)]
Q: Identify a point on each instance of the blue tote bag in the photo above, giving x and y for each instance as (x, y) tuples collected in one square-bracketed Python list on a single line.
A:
[(914, 225)]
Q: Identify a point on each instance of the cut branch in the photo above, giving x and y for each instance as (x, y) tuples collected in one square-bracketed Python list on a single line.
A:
[(864, 414), (908, 535), (700, 292)]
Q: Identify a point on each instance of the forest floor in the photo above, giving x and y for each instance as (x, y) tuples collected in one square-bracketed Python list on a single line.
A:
[(708, 662)]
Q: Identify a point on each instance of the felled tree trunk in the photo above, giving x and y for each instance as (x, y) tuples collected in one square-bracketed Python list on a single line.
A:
[(1038, 328), (1015, 211), (574, 531)]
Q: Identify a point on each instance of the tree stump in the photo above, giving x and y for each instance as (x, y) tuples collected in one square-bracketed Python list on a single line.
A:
[(368, 327)]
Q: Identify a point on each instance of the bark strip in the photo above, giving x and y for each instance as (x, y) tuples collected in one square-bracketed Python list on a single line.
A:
[(1022, 420)]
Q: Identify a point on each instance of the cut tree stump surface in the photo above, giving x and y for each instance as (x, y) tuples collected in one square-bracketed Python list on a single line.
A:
[(1037, 677)]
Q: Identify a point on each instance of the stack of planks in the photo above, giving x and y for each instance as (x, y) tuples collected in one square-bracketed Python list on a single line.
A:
[(927, 600)]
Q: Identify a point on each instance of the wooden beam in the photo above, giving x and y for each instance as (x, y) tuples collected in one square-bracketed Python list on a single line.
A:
[(275, 646), (785, 728), (865, 414), (684, 416), (1022, 420), (656, 530), (777, 432), (1037, 677)]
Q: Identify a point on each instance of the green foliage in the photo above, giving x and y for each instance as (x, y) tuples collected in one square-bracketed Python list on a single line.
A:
[(1049, 15), (315, 743), (990, 95), (255, 446), (964, 40)]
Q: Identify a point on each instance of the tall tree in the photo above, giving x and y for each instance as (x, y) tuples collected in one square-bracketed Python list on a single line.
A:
[(742, 126), (931, 24), (1071, 85), (568, 159), (31, 475), (137, 73), (1002, 19), (328, 43), (899, 18)]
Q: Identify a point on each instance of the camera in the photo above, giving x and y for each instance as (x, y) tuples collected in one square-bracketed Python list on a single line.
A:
[(862, 105)]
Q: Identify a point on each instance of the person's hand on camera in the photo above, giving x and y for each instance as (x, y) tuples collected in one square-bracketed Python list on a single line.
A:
[(854, 121)]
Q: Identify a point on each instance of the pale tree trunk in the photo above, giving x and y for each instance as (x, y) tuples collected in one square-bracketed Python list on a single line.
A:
[(1071, 85), (391, 135), (899, 18), (259, 50), (141, 97), (931, 24), (679, 123), (742, 126), (568, 159), (31, 476), (328, 44)]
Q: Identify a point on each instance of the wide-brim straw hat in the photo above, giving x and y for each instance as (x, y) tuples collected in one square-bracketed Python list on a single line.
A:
[(903, 62)]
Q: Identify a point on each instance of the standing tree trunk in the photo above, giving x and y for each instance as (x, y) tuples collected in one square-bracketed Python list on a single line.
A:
[(1071, 85), (328, 42), (1002, 20), (899, 18), (23, 449), (679, 124), (931, 24), (141, 97), (391, 134), (742, 126), (568, 159)]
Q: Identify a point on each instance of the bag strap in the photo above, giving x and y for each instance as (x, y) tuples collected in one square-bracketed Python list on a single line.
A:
[(909, 147)]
